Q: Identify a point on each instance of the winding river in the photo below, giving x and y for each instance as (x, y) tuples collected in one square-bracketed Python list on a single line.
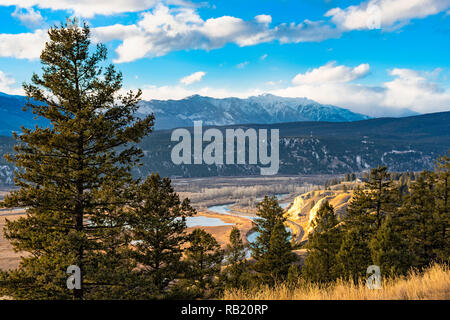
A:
[(225, 209)]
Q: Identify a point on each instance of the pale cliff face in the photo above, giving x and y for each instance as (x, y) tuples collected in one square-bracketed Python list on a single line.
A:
[(305, 206)]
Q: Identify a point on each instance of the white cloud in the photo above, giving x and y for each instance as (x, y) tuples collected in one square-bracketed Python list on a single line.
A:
[(6, 83), (164, 29), (28, 16), (389, 13), (408, 89), (331, 73), (23, 45), (263, 18), (242, 65), (195, 77), (87, 8), (413, 88)]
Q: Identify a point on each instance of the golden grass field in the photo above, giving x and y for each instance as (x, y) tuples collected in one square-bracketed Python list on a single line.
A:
[(9, 259), (433, 284)]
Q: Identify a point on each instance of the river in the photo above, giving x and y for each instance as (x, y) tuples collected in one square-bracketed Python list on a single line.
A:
[(225, 209)]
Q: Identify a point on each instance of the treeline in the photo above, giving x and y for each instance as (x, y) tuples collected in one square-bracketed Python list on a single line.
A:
[(243, 193), (385, 225), (404, 179)]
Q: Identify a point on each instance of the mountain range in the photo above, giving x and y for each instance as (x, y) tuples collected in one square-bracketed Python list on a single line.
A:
[(336, 141), (402, 144), (169, 114), (262, 109)]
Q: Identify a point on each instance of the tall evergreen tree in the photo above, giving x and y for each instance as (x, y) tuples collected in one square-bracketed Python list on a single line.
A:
[(202, 264), (443, 207), (390, 249), (366, 212), (269, 214), (323, 245), (354, 256), (424, 222), (274, 265), (157, 223), (272, 249), (74, 177), (235, 274)]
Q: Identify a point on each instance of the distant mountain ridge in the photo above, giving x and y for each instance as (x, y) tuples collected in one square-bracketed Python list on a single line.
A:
[(402, 144), (262, 109)]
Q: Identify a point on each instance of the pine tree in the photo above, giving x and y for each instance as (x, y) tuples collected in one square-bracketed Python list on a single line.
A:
[(202, 264), (390, 249), (354, 256), (443, 207), (272, 249), (365, 214), (381, 194), (269, 214), (157, 223), (424, 224), (235, 275), (322, 247), (274, 266), (74, 177)]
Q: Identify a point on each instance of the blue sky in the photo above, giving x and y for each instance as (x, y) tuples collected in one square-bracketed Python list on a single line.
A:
[(376, 57)]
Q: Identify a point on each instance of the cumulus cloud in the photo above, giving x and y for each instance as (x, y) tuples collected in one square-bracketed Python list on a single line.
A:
[(195, 77), (409, 89), (332, 73), (388, 13), (263, 18), (28, 16), (413, 88), (23, 45), (6, 83), (164, 29), (88, 8)]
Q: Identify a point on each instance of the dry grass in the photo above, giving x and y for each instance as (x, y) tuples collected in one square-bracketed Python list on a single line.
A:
[(434, 284)]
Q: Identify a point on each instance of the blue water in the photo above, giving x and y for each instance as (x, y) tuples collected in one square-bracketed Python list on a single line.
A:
[(225, 209), (202, 221)]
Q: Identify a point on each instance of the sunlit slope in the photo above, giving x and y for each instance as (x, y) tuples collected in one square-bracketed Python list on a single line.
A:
[(305, 206)]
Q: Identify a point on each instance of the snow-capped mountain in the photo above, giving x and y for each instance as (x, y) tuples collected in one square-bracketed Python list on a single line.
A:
[(262, 109)]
